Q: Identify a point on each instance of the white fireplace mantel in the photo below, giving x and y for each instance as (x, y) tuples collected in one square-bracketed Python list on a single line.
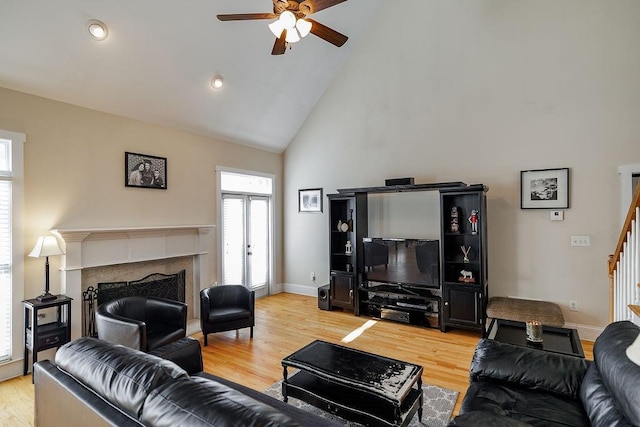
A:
[(97, 247)]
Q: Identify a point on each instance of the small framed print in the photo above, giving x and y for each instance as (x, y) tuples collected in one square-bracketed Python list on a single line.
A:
[(310, 200), (544, 189), (144, 170)]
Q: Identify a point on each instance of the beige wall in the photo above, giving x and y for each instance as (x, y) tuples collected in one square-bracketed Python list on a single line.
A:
[(74, 176), (477, 91)]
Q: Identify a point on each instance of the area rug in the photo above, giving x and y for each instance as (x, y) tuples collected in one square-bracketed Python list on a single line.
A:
[(436, 410)]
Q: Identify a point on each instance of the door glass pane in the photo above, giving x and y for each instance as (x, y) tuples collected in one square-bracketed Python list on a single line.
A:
[(259, 238), (233, 255)]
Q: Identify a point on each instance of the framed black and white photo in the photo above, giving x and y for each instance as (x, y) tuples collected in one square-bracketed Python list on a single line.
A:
[(544, 189), (144, 170), (310, 200)]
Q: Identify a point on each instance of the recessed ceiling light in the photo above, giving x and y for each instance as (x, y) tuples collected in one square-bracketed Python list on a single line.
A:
[(217, 81), (98, 30)]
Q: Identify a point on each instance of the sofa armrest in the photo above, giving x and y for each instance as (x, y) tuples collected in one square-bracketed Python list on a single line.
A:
[(60, 399), (528, 368), (121, 330)]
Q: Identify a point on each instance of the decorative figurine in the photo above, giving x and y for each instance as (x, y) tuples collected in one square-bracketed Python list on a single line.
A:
[(347, 248), (466, 276), (465, 251), (455, 228), (473, 219), (339, 225)]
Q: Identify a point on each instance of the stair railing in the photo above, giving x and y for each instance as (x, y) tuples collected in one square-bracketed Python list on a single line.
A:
[(624, 268)]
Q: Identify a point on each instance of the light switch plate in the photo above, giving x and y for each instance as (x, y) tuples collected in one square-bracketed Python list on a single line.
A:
[(580, 241)]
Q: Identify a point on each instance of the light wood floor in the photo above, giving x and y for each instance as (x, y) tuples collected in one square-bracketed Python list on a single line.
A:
[(286, 322)]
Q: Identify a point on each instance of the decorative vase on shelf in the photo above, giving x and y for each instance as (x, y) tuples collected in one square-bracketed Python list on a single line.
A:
[(350, 220), (339, 225)]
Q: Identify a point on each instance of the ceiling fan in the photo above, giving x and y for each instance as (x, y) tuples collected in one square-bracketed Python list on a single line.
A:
[(293, 23)]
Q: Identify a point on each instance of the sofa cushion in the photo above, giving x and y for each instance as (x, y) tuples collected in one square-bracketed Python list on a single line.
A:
[(121, 375), (619, 375), (532, 407), (528, 368), (198, 401)]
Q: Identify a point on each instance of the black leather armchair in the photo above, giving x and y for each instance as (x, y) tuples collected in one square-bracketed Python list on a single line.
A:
[(142, 323), (225, 308)]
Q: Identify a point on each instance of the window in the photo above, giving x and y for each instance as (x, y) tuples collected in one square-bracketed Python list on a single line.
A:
[(11, 248)]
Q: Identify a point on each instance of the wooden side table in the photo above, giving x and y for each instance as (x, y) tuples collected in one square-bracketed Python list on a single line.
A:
[(42, 337)]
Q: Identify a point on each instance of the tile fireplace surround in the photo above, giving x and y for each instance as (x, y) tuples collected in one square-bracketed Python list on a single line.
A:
[(99, 247)]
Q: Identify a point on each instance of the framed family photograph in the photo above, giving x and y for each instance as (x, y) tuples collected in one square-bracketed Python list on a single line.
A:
[(544, 189), (310, 200), (144, 170)]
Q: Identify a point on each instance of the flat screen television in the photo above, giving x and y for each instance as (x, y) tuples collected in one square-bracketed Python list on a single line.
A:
[(413, 262)]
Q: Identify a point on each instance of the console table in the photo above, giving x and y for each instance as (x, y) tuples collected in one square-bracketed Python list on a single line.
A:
[(370, 389), (42, 337)]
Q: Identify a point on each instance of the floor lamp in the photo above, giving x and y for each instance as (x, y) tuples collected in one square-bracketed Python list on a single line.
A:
[(46, 246)]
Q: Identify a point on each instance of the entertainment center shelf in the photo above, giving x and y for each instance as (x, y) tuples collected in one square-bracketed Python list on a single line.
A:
[(456, 292), (401, 303)]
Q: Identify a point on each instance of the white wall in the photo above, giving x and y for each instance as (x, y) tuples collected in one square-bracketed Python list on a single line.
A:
[(74, 175), (476, 91)]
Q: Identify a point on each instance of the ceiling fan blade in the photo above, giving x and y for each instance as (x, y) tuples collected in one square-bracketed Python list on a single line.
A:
[(280, 46), (246, 16), (313, 6), (326, 33)]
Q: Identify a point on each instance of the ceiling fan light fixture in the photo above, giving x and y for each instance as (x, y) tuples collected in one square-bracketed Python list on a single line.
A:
[(217, 81), (288, 19), (276, 28), (304, 27), (98, 30), (292, 36)]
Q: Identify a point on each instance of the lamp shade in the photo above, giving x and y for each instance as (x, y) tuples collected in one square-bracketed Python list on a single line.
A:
[(633, 351), (46, 246), (304, 27), (276, 28)]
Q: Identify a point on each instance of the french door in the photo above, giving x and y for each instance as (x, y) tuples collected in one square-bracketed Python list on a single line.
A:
[(246, 240)]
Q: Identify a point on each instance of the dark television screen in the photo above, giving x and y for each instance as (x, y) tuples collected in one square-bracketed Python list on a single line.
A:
[(405, 261)]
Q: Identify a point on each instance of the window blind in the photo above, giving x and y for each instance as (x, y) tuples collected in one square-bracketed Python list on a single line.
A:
[(5, 251)]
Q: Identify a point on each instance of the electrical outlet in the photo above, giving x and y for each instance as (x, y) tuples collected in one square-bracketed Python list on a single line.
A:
[(313, 276), (573, 305), (580, 241)]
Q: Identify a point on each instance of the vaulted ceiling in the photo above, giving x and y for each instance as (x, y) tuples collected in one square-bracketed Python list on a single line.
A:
[(157, 63)]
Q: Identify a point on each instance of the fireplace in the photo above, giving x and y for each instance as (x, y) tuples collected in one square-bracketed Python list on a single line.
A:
[(167, 286), (94, 256)]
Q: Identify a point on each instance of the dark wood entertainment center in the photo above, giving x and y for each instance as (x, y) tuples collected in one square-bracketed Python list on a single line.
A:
[(459, 300)]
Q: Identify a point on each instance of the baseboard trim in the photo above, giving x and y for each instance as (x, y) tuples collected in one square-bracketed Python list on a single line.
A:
[(586, 332), (11, 369), (293, 288)]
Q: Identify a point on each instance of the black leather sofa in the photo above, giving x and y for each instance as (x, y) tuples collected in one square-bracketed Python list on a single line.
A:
[(518, 386), (96, 383)]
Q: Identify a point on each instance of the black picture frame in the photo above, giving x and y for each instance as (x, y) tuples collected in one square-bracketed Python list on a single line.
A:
[(310, 200), (544, 189), (145, 171)]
